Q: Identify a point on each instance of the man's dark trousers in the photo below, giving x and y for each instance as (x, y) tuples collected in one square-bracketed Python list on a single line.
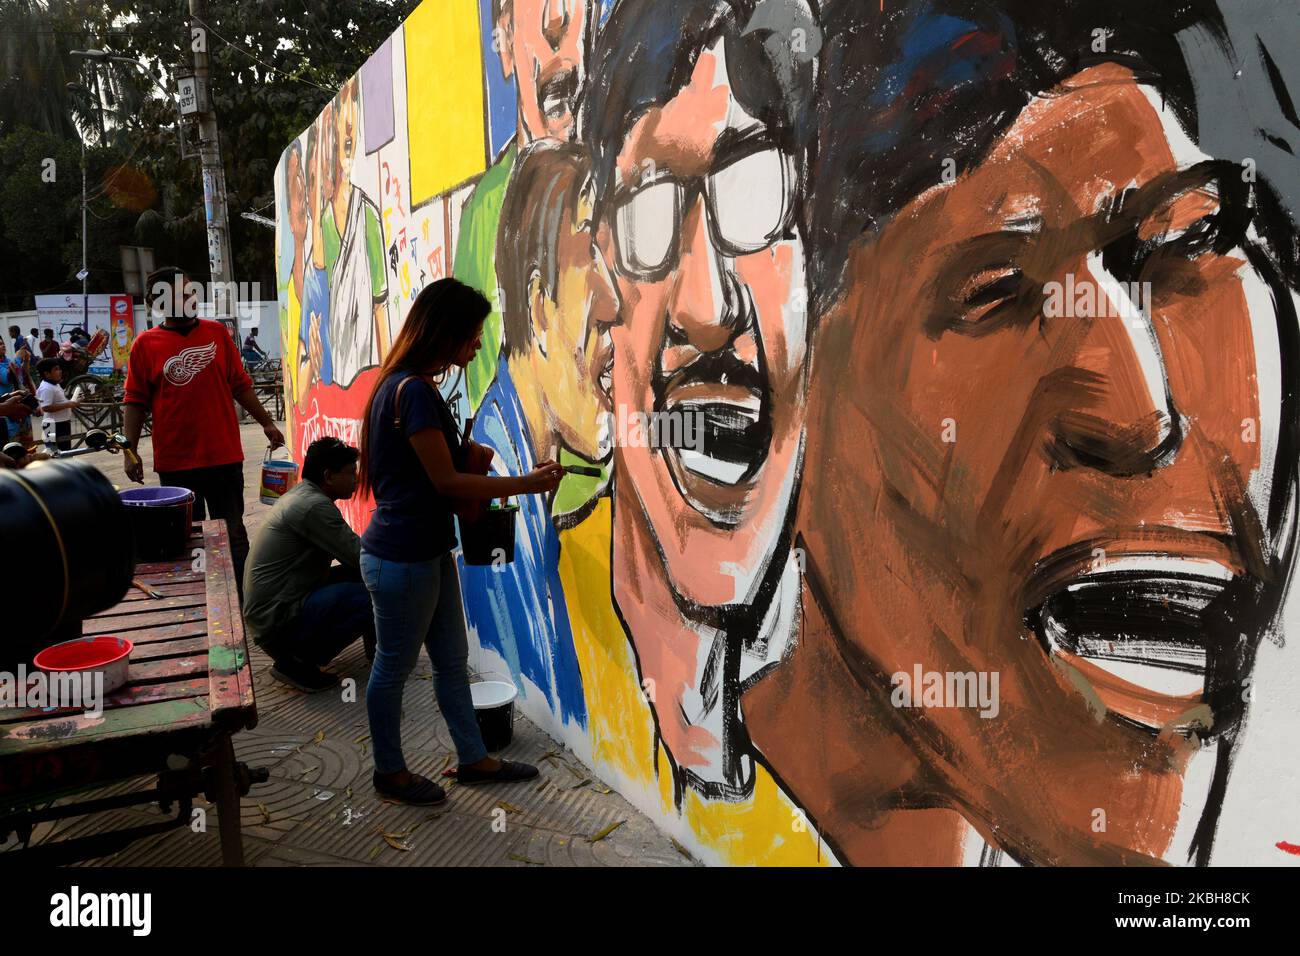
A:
[(332, 617), (218, 493)]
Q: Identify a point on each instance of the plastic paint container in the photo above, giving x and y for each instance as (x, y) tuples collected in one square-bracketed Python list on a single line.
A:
[(160, 518), (494, 708), (278, 476), (491, 538), (109, 655)]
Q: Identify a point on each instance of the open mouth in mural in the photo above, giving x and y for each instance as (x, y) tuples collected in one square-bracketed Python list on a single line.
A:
[(721, 408), (1139, 626)]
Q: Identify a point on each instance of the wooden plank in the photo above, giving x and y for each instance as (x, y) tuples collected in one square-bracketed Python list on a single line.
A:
[(153, 605), (128, 696), (42, 736), (167, 590), (134, 622), (178, 648), (169, 668), (189, 576), (154, 634), (229, 674)]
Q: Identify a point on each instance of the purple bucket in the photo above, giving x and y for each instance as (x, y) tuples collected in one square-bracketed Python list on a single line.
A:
[(160, 519)]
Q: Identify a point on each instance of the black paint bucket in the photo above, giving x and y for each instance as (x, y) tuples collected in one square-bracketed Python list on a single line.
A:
[(161, 518), (73, 528), (494, 709), (490, 539)]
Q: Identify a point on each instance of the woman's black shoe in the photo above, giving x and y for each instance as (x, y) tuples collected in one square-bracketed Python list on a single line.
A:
[(419, 791)]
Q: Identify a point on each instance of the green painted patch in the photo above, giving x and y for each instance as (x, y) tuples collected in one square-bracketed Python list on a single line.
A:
[(226, 658)]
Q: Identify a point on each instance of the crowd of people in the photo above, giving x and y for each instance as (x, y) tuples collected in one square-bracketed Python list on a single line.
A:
[(32, 388)]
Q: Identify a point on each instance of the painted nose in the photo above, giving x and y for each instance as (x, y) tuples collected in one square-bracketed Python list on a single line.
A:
[(700, 311), (1117, 415), (555, 20)]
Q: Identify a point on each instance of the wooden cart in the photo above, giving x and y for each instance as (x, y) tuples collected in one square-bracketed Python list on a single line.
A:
[(190, 687)]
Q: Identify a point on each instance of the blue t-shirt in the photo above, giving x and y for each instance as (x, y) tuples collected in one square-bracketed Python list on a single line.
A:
[(9, 382), (412, 522)]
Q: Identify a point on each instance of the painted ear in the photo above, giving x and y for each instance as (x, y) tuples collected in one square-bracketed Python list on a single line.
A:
[(503, 40), (537, 309)]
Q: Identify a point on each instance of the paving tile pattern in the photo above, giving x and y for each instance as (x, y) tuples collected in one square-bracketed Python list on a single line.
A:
[(319, 807)]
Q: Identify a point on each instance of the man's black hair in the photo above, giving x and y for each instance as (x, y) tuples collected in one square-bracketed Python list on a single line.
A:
[(647, 50), (327, 454), (14, 331), (926, 81), (49, 333), (167, 274)]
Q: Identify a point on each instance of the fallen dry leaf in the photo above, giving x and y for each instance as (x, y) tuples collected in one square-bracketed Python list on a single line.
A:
[(606, 831), (266, 814), (320, 735)]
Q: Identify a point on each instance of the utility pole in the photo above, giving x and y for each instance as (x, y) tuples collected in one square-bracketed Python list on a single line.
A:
[(84, 274), (214, 176)]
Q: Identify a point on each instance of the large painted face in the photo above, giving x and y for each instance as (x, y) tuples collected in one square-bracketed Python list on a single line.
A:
[(546, 54), (574, 372), (1067, 493), (710, 274), (709, 331)]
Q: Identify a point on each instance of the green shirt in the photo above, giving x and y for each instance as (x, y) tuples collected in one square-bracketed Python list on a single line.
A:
[(475, 264), (290, 557), (330, 239)]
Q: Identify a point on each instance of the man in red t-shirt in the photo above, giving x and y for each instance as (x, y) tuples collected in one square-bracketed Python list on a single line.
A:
[(185, 372)]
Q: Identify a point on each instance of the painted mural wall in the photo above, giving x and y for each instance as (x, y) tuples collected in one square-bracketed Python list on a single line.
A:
[(937, 359)]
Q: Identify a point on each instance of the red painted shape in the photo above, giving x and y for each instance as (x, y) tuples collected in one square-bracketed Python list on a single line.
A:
[(1289, 848)]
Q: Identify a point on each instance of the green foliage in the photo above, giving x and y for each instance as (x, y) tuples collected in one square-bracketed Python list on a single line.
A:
[(274, 64)]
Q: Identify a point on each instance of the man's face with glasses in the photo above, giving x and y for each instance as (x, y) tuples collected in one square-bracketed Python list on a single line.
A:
[(699, 228)]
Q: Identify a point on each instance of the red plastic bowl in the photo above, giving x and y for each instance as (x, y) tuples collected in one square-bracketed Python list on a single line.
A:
[(108, 654)]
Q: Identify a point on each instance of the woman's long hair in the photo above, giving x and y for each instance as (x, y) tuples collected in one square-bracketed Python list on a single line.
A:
[(443, 318)]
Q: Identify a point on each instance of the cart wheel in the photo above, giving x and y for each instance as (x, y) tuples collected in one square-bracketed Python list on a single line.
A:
[(94, 389)]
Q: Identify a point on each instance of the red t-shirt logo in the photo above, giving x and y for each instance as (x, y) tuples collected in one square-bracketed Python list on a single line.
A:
[(181, 368)]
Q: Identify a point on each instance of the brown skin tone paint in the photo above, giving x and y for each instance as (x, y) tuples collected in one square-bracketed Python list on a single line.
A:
[(922, 551)]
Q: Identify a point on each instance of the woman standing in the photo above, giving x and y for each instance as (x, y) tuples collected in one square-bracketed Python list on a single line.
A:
[(413, 459)]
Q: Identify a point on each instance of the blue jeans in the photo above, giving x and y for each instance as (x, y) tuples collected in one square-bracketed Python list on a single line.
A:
[(418, 603)]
